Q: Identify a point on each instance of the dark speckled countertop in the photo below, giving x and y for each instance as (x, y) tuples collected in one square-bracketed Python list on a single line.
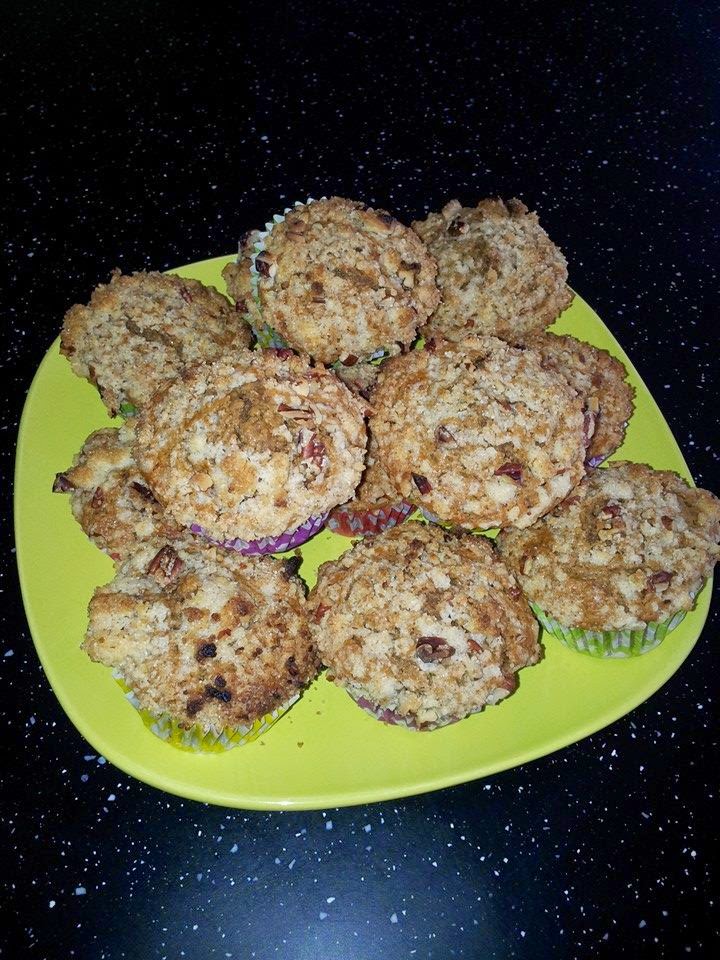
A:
[(147, 135)]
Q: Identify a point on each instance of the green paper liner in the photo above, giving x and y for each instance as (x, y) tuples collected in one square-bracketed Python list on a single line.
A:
[(195, 739), (609, 643)]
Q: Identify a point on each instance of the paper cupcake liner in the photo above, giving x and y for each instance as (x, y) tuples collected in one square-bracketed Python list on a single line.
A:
[(267, 338), (351, 521), (196, 739), (609, 643), (393, 719), (285, 541), (384, 715), (434, 518)]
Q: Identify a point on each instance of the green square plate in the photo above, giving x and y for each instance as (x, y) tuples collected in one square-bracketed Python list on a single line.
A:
[(326, 752)]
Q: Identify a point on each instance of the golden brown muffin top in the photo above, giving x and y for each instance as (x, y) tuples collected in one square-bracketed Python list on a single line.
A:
[(252, 448), (479, 433), (428, 625), (208, 636), (139, 331), (499, 273), (337, 279), (630, 546)]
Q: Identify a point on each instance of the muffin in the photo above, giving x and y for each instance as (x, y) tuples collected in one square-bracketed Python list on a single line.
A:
[(376, 506), (140, 330), (252, 453), (619, 563), (478, 433), (109, 497), (422, 627), (599, 379), (498, 271), (337, 280), (219, 645)]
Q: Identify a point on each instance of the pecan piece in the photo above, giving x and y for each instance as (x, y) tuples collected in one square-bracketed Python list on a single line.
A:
[(185, 294), (512, 470), (292, 667), (666, 521), (456, 227), (318, 292), (61, 484), (166, 563), (313, 450), (98, 499), (421, 482), (611, 510), (265, 266), (295, 413), (433, 649), (662, 576), (194, 706), (320, 612), (144, 492), (443, 435)]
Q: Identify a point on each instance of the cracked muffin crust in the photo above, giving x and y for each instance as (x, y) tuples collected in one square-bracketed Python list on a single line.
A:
[(338, 280), (630, 546), (599, 379), (141, 330), (252, 448), (205, 635), (422, 627), (478, 433), (498, 271), (109, 496)]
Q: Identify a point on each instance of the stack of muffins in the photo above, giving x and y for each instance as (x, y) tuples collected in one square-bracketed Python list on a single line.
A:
[(367, 374)]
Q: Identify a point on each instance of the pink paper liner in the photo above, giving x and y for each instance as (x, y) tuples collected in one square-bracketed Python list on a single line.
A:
[(285, 541), (386, 716), (357, 522)]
